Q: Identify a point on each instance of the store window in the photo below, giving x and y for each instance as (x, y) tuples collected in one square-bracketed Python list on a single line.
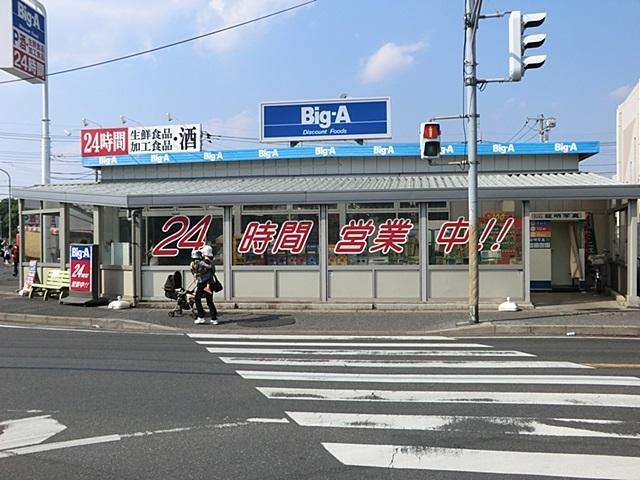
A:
[(51, 237), (81, 224), (500, 234), (275, 235), (32, 237), (170, 239), (380, 234), (116, 237)]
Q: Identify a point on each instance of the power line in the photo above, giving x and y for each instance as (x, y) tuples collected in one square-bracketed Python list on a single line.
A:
[(168, 45)]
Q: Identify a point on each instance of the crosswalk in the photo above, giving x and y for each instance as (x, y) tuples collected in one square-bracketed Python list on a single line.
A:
[(375, 383)]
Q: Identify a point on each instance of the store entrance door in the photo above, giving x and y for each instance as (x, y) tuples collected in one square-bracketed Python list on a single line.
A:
[(560, 254)]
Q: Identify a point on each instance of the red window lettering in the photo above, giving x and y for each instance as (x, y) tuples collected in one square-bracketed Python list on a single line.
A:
[(453, 233), (392, 234), (353, 237), (257, 236), (293, 236)]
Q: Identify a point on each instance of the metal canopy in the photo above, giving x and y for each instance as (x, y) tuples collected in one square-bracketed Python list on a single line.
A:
[(331, 189)]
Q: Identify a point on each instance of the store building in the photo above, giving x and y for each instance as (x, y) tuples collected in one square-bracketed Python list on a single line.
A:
[(365, 224)]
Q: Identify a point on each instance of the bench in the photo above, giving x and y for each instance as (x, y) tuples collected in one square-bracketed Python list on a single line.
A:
[(57, 282)]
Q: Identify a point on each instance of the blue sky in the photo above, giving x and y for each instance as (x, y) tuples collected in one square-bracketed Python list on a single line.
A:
[(409, 50)]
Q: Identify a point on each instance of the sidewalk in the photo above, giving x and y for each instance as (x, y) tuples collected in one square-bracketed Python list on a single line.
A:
[(558, 314)]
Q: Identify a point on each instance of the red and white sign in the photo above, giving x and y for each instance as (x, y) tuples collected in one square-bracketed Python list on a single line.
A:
[(104, 141), (80, 265), (140, 140), (292, 237)]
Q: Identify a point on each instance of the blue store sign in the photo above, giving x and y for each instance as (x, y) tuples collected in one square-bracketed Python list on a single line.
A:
[(342, 119)]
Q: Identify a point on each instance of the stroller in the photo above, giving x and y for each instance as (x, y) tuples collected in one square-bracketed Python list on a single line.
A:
[(185, 299)]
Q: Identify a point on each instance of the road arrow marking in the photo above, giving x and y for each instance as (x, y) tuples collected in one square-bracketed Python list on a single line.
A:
[(28, 431)]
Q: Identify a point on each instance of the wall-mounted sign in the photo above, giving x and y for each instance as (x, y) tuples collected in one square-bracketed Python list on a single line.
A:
[(108, 158), (559, 216), (540, 234), (340, 119), (154, 141), (22, 41)]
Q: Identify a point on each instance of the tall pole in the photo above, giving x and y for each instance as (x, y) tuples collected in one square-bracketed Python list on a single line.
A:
[(45, 143), (9, 202), (472, 10)]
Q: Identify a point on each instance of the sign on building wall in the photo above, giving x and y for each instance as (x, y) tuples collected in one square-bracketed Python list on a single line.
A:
[(22, 41), (340, 119), (156, 141)]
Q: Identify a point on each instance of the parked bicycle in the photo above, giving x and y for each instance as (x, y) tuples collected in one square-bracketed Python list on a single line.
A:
[(597, 264)]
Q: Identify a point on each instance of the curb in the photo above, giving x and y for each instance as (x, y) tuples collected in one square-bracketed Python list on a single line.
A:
[(490, 328), (85, 322)]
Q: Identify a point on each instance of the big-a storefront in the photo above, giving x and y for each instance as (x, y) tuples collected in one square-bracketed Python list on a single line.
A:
[(365, 224)]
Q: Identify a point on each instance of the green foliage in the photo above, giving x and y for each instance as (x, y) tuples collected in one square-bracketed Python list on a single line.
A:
[(4, 218)]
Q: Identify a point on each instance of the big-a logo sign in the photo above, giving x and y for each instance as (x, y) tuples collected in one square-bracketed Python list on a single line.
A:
[(341, 119)]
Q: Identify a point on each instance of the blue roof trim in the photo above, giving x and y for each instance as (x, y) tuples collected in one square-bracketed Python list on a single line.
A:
[(582, 149)]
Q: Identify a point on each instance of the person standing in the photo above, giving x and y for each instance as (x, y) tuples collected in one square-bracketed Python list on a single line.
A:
[(203, 273), (15, 255)]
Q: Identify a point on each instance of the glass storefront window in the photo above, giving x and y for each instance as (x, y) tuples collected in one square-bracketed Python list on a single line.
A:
[(116, 237), (32, 237), (276, 237), (169, 239), (500, 230), (51, 237), (367, 232), (81, 224)]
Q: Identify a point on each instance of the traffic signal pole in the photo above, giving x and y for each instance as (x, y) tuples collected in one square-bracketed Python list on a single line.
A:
[(472, 12)]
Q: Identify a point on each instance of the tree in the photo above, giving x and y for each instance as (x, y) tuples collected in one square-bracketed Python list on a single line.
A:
[(4, 219)]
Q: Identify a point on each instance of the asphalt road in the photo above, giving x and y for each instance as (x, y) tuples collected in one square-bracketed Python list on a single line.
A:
[(140, 406)]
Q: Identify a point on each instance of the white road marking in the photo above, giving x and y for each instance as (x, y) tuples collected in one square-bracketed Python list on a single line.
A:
[(28, 431), (345, 344), (487, 461), (510, 398), (267, 420), (319, 337), (86, 330), (426, 378), (45, 447), (335, 362), (495, 425), (404, 353)]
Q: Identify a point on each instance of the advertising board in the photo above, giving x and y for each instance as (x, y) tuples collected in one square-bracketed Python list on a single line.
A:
[(81, 276), (156, 140), (338, 119), (23, 51)]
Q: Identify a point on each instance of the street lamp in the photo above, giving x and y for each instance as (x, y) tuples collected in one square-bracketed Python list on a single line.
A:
[(86, 122), (171, 118), (124, 120), (9, 201)]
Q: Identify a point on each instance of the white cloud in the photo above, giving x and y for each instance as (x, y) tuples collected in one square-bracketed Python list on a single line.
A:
[(390, 59), (620, 93), (94, 30), (224, 13)]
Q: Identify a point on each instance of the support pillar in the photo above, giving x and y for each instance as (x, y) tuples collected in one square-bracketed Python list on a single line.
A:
[(526, 250), (227, 245), (323, 254), (632, 253)]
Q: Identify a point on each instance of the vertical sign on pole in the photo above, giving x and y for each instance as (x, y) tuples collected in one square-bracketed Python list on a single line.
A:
[(22, 41)]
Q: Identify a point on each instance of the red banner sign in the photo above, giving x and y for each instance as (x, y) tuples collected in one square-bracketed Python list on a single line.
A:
[(80, 265), (104, 141)]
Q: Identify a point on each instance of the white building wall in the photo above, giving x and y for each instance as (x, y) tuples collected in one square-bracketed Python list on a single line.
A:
[(628, 138)]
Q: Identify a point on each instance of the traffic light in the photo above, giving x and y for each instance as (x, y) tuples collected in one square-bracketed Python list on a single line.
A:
[(429, 141), (518, 62)]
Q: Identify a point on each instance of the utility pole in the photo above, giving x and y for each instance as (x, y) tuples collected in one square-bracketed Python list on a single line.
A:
[(471, 19), (544, 125)]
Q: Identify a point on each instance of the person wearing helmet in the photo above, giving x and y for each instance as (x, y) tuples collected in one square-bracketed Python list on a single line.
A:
[(203, 274), (207, 256)]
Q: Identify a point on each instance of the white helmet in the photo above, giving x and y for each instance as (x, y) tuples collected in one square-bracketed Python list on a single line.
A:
[(207, 250), (196, 254)]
